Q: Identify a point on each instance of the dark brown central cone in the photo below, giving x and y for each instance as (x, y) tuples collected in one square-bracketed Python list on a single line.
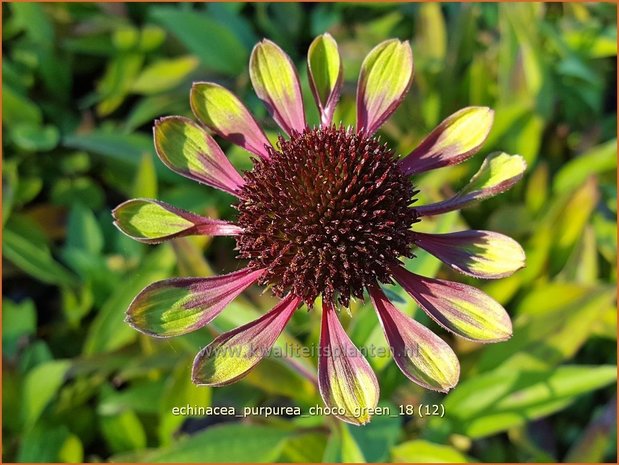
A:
[(326, 214)]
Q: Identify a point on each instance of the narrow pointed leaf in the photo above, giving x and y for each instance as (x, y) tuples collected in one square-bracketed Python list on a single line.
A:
[(223, 112), (276, 83), (346, 381), (180, 305), (498, 173), (231, 355), (421, 355), (187, 149), (462, 309), (455, 140), (325, 75), (482, 254), (151, 221), (385, 77)]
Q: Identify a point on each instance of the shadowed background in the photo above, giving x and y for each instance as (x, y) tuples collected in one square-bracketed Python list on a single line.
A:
[(82, 84)]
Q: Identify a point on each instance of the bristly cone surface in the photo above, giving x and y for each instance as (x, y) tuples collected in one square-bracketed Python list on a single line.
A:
[(327, 214)]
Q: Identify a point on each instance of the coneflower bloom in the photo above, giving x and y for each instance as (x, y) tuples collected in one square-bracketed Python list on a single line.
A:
[(326, 212)]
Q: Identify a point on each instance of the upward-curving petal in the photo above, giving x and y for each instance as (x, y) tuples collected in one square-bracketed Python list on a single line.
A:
[(187, 149), (177, 306), (481, 254), (498, 173), (231, 355), (276, 83), (385, 77), (462, 309), (324, 65), (151, 221), (455, 140), (346, 381), (223, 112), (421, 355)]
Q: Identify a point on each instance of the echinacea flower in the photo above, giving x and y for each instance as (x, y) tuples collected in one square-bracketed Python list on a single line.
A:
[(326, 212)]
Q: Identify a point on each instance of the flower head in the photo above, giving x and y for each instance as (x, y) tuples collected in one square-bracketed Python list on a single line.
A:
[(326, 212)]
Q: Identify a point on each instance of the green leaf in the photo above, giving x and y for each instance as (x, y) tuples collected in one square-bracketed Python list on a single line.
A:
[(217, 47), (145, 184), (33, 257), (342, 447), (18, 322), (125, 37), (123, 431), (142, 396), (18, 108), (148, 108), (536, 194), (164, 74), (304, 448), (431, 35), (72, 450), (276, 378), (108, 330), (599, 159), (499, 400), (151, 37), (35, 138), (226, 443), (50, 444), (179, 391), (116, 83), (376, 438), (84, 232), (33, 18), (582, 265), (40, 387), (421, 451), (553, 322), (68, 190), (573, 218)]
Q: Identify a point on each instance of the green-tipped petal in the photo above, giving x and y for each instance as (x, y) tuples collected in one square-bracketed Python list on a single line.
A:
[(385, 77), (223, 112), (177, 306), (276, 83), (325, 75), (151, 221), (498, 173), (231, 355), (462, 309), (481, 254), (421, 355), (455, 140), (346, 381), (187, 149)]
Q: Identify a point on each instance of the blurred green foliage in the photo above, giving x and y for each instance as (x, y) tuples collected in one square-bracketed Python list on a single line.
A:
[(81, 86)]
